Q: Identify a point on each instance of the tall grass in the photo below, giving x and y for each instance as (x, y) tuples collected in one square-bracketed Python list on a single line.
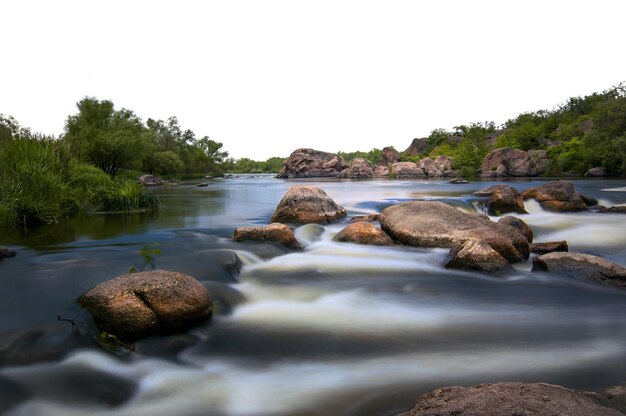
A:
[(41, 184)]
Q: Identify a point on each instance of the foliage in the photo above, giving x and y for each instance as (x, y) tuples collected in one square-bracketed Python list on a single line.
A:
[(374, 156), (147, 254), (410, 158), (245, 165)]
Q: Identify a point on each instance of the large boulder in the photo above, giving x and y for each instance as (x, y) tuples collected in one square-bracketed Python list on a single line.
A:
[(276, 232), (381, 171), (149, 180), (389, 155), (519, 225), (582, 265), (416, 147), (309, 163), (7, 252), (476, 255), (507, 161), (139, 304), (538, 161), (557, 196), (363, 232), (502, 199), (407, 170), (436, 224), (359, 169), (307, 204), (429, 167), (509, 399)]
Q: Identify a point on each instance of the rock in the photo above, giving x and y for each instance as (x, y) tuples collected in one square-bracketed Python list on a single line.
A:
[(389, 155), (549, 247), (139, 304), (416, 147), (509, 399), (507, 161), (149, 180), (7, 252), (430, 169), (381, 171), (556, 196), (519, 225), (275, 232), (307, 204), (443, 163), (202, 185), (363, 232), (619, 209), (208, 177), (502, 199), (616, 397), (407, 170), (596, 172), (476, 255), (582, 265), (436, 224), (458, 181), (590, 202), (370, 218), (359, 169), (309, 163)]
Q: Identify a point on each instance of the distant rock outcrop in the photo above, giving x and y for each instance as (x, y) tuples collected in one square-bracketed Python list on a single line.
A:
[(309, 163), (416, 147), (389, 155), (506, 161), (149, 180), (359, 169), (596, 172), (403, 170), (440, 167)]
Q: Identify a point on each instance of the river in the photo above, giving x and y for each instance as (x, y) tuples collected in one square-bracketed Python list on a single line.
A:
[(336, 329)]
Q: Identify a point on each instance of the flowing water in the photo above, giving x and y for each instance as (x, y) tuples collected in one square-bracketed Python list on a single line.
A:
[(336, 329)]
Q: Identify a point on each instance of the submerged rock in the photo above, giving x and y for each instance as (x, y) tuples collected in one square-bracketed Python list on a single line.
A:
[(275, 232), (458, 181), (549, 247), (307, 204), (557, 196), (436, 224), (582, 265), (502, 199), (135, 305), (7, 252), (310, 163), (510, 399), (363, 232)]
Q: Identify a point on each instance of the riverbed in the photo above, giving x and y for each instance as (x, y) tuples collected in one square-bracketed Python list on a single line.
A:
[(334, 329)]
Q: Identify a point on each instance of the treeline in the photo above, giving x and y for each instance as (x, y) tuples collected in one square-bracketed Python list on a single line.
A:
[(582, 133)]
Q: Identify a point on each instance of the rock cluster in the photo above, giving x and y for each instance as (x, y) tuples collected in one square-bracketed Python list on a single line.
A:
[(359, 169), (310, 163), (507, 161)]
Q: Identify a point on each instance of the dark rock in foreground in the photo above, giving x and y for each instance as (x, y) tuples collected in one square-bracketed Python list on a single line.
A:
[(582, 265), (307, 204), (276, 232), (436, 224), (363, 232), (7, 252), (502, 199), (510, 399), (309, 163), (549, 247), (135, 305), (558, 196)]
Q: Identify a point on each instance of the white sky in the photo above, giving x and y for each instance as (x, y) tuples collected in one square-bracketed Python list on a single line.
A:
[(267, 77)]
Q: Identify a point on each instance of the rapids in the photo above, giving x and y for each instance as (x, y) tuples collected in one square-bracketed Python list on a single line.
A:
[(335, 329)]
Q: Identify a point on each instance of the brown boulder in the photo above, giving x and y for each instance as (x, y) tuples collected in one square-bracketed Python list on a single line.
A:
[(476, 255), (389, 155), (381, 171), (363, 232), (549, 247), (507, 161), (510, 399), (370, 218), (519, 225), (276, 232), (140, 304), (436, 224), (556, 196), (309, 163), (359, 169), (502, 199), (582, 265), (616, 397), (149, 180), (407, 170), (7, 252), (596, 172), (307, 204), (416, 147), (430, 168)]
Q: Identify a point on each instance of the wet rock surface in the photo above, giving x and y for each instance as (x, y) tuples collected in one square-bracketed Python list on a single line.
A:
[(582, 265), (549, 247), (502, 199), (557, 196), (363, 232), (510, 399), (275, 232)]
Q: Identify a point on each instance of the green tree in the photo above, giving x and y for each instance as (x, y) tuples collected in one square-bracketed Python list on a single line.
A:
[(103, 136)]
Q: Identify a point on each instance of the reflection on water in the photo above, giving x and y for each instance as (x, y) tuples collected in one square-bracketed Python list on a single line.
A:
[(335, 329)]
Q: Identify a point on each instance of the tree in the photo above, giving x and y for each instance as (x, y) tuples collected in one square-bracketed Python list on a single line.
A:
[(103, 136)]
